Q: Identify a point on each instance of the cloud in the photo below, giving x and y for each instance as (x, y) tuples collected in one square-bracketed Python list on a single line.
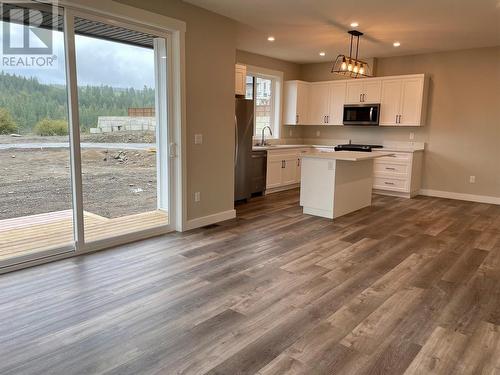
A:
[(99, 62)]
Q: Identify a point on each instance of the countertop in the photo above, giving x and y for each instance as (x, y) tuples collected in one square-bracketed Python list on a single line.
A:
[(346, 155), (392, 148)]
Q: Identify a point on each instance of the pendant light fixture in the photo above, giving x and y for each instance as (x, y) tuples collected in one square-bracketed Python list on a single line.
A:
[(351, 66)]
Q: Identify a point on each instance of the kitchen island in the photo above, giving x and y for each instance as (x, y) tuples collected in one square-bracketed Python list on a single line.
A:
[(336, 183)]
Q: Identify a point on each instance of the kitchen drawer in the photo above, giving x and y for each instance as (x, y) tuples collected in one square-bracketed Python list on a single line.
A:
[(386, 183), (396, 157), (382, 168)]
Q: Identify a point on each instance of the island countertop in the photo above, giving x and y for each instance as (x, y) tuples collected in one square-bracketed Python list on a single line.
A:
[(346, 155)]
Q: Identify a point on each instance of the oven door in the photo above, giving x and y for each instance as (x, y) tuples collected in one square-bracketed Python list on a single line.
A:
[(361, 114)]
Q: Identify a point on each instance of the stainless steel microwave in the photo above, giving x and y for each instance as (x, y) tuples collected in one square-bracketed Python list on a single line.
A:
[(361, 114)]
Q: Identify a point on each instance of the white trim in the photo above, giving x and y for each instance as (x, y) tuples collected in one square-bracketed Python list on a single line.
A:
[(277, 79), (210, 219), (460, 196), (74, 129)]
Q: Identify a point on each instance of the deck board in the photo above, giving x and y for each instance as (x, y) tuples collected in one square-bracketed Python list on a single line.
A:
[(38, 233)]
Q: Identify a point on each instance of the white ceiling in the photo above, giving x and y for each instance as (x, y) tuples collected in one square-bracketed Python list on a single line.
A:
[(303, 28)]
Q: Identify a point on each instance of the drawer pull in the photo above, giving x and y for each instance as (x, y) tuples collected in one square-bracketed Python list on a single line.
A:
[(388, 183), (390, 168)]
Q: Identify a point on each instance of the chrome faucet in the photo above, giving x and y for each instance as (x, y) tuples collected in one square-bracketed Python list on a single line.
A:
[(263, 140)]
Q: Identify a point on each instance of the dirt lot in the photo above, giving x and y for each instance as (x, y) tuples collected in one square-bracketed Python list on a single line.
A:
[(117, 137), (114, 184)]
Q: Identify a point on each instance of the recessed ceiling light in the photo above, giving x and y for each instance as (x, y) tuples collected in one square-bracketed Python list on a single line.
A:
[(270, 38), (354, 24), (322, 53), (396, 44)]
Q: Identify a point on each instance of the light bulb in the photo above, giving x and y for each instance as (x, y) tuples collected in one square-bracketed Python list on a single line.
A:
[(356, 69), (349, 67), (344, 64), (362, 69)]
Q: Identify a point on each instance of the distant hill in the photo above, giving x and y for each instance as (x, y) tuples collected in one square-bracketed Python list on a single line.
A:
[(29, 101)]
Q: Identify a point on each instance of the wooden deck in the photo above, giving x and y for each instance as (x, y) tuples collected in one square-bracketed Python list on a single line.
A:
[(37, 233)]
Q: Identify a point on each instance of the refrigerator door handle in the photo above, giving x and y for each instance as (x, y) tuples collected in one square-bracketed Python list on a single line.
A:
[(236, 147)]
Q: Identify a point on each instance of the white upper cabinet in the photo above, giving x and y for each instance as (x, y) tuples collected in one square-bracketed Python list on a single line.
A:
[(319, 103), (295, 111), (363, 91), (390, 102), (326, 103), (337, 101), (412, 102), (240, 79), (354, 91), (403, 102)]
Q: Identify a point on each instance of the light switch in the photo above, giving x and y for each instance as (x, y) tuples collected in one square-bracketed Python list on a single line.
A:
[(198, 139)]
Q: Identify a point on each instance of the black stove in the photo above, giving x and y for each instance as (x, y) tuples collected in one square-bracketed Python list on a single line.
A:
[(354, 147)]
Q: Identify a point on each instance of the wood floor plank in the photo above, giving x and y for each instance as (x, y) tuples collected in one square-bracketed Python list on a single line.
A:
[(403, 286)]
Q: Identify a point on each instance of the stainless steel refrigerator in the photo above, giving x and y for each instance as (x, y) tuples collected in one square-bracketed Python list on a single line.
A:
[(243, 123)]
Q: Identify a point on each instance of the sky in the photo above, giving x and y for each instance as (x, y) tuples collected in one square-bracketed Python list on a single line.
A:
[(99, 62)]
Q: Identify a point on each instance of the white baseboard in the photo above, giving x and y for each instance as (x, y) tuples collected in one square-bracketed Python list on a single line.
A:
[(210, 219), (460, 196)]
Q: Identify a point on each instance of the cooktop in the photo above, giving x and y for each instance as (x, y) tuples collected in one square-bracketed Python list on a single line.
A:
[(356, 147)]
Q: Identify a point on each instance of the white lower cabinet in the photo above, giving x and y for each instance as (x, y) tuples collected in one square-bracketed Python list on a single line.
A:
[(399, 174), (283, 169)]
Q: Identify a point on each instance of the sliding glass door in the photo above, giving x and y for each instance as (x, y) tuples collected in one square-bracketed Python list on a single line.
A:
[(119, 128), (83, 142)]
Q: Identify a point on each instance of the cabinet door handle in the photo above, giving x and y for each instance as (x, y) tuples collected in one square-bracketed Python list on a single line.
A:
[(360, 97), (364, 97), (324, 119), (298, 162), (296, 119), (327, 119), (400, 119), (283, 164)]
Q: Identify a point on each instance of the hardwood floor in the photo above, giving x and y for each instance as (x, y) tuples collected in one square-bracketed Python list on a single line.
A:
[(402, 287)]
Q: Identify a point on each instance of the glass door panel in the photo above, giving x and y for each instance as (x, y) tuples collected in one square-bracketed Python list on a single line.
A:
[(120, 128), (36, 214)]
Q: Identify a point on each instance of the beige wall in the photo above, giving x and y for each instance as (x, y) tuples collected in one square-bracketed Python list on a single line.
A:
[(210, 57), (321, 71), (462, 133), (290, 70)]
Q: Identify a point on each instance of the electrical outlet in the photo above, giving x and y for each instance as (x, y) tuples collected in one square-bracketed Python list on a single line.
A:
[(198, 139), (197, 196), (290, 133), (472, 179), (412, 135), (318, 133)]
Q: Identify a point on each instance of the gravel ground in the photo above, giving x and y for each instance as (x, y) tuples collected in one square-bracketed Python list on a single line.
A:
[(114, 184)]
